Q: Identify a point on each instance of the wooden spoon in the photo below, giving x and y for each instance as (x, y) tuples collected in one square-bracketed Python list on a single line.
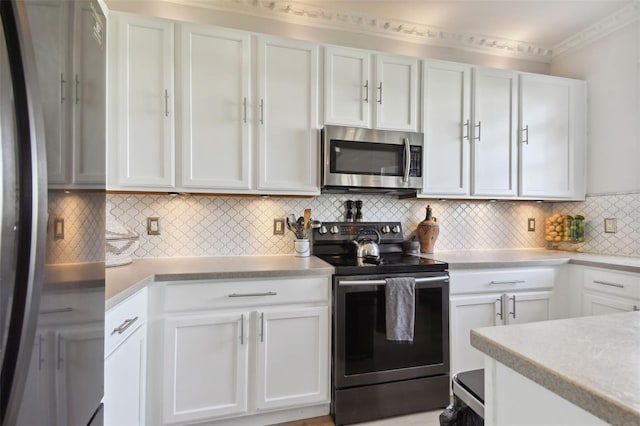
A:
[(307, 216)]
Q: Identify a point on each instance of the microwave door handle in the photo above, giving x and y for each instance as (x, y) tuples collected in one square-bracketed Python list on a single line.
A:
[(407, 160)]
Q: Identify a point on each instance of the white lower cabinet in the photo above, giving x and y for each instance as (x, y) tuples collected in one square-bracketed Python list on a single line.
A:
[(490, 297), (607, 292)]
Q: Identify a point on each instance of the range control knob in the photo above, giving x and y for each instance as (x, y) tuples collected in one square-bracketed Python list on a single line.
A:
[(322, 230), (395, 229), (334, 229), (385, 229)]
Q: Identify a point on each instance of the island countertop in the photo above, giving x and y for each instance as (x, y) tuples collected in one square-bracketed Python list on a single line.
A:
[(593, 362)]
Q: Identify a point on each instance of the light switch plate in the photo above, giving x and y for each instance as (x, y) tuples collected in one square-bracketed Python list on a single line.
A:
[(531, 224), (58, 228), (278, 226), (153, 226), (610, 225)]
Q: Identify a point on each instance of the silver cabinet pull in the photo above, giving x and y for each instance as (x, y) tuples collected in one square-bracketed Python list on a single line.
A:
[(123, 327), (262, 327), (59, 352), (506, 282), (380, 98), (366, 91), (479, 126), (465, 126), (513, 314), (267, 293), (56, 311), (166, 103), (526, 130), (499, 313), (242, 329), (383, 282), (77, 91), (244, 110), (407, 160), (261, 111), (40, 358), (62, 82), (608, 284)]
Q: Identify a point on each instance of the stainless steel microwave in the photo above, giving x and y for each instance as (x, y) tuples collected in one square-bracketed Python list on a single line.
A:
[(366, 160)]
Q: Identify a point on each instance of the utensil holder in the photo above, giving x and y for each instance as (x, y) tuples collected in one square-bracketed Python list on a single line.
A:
[(301, 247)]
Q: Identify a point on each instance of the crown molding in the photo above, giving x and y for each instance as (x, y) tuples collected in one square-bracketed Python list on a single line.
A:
[(299, 13), (617, 20)]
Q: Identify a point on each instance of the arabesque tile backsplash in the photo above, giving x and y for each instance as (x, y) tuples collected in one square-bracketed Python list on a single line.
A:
[(223, 225)]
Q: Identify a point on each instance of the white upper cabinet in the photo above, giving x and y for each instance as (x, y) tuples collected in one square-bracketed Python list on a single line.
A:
[(494, 143), (215, 76), (287, 99), (142, 139), (553, 137), (356, 94), (447, 115)]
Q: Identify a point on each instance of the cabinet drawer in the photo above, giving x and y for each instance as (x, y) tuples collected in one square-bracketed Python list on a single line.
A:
[(123, 319), (71, 307), (201, 295), (612, 282), (508, 279)]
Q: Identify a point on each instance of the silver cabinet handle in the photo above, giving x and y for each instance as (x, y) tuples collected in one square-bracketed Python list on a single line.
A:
[(380, 98), (366, 91), (267, 293), (479, 126), (166, 103), (262, 327), (59, 352), (62, 82), (383, 282), (506, 282), (526, 130), (407, 159), (513, 314), (40, 359), (261, 111), (499, 313), (242, 329), (55, 311), (244, 110), (77, 91), (608, 284), (123, 327), (465, 126)]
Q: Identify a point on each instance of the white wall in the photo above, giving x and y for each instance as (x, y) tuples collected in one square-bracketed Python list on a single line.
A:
[(320, 35), (610, 67)]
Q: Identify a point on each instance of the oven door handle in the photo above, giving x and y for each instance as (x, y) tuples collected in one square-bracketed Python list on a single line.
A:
[(382, 282), (407, 160)]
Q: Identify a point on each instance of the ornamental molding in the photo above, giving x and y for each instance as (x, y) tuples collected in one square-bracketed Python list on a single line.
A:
[(296, 12)]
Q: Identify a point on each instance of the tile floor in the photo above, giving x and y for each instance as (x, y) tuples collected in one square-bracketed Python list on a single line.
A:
[(428, 418)]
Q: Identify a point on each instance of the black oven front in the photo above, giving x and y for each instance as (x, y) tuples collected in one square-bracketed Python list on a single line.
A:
[(376, 378)]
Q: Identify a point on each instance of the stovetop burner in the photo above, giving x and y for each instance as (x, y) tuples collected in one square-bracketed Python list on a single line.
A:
[(348, 264)]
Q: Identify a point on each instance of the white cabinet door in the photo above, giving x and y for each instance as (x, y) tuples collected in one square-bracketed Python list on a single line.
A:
[(215, 74), (446, 109), (347, 87), (552, 127), (50, 23), (396, 93), (38, 392), (88, 96), (143, 128), (598, 304), (293, 357), (494, 141), (124, 382), (79, 360), (527, 307), (205, 366), (467, 312), (286, 109)]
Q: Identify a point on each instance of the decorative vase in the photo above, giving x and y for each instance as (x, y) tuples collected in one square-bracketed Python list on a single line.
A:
[(428, 231)]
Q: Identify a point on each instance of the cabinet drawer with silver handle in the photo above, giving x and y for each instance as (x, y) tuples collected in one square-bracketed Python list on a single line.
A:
[(123, 319), (501, 279), (624, 284)]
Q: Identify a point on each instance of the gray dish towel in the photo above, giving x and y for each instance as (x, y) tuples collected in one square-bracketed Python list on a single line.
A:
[(400, 308)]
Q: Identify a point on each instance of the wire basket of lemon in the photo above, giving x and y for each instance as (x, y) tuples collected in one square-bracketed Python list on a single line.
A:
[(564, 228)]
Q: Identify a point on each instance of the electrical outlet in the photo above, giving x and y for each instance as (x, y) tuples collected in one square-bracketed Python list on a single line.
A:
[(532, 224), (610, 225), (58, 228), (153, 226), (278, 226)]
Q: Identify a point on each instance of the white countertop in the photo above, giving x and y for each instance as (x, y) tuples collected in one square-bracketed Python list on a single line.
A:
[(593, 362)]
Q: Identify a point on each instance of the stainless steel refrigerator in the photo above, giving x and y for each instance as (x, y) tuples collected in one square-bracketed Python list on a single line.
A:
[(52, 192)]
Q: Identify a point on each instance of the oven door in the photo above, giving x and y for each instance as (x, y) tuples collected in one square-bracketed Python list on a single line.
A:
[(362, 353)]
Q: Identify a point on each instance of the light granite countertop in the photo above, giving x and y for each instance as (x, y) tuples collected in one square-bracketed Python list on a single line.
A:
[(593, 362), (123, 281)]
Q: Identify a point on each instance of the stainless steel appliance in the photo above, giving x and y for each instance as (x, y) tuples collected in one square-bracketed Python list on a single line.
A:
[(366, 160), (51, 289), (372, 377)]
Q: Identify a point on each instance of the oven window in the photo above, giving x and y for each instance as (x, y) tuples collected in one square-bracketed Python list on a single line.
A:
[(366, 158), (366, 346)]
